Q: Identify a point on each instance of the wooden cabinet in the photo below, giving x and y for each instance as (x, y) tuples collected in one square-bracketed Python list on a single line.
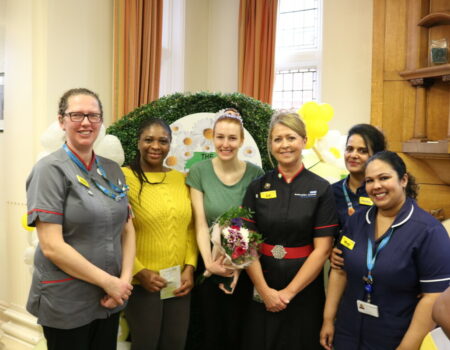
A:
[(428, 20), (410, 97)]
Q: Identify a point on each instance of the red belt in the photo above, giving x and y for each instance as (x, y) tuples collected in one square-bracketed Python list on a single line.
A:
[(280, 252)]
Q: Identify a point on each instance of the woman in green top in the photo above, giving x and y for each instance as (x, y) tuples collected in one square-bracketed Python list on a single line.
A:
[(217, 185)]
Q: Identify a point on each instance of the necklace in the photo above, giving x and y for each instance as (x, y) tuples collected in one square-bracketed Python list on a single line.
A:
[(158, 182)]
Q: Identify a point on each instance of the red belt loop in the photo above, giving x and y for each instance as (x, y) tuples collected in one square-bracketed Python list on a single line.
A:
[(280, 252)]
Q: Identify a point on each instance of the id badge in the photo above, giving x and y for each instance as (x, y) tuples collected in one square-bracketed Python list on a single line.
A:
[(367, 308)]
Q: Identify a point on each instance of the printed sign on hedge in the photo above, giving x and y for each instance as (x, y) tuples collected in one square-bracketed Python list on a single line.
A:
[(192, 141)]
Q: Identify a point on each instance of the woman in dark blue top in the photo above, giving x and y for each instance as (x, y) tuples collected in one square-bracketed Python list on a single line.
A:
[(363, 141), (396, 265)]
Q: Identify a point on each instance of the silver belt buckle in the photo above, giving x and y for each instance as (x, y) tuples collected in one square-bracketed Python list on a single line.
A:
[(278, 252)]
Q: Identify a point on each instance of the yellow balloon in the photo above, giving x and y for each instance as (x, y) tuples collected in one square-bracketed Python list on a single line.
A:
[(310, 142), (123, 329), (326, 112), (25, 223), (335, 152), (316, 128), (309, 110)]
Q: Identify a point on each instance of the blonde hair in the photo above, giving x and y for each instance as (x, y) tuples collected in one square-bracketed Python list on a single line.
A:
[(289, 119)]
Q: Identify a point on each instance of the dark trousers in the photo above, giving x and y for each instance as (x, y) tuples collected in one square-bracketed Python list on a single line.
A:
[(100, 334), (157, 324)]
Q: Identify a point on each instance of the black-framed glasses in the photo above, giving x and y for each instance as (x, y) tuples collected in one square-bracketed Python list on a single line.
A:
[(79, 117)]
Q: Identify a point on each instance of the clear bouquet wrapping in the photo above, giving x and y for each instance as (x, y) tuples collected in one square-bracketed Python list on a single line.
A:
[(232, 239)]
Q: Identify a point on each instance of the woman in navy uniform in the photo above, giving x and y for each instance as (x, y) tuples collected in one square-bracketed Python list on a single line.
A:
[(363, 141), (294, 210), (83, 263), (396, 265)]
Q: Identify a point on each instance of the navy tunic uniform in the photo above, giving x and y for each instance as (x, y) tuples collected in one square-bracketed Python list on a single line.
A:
[(59, 192), (415, 260), (359, 200), (291, 215)]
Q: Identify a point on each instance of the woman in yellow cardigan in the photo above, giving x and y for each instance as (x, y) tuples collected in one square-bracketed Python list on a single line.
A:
[(164, 239)]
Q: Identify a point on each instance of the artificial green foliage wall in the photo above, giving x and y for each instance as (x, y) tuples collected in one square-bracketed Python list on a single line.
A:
[(256, 117)]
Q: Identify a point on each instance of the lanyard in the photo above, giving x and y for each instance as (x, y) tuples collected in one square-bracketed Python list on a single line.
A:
[(370, 261), (350, 209), (119, 192)]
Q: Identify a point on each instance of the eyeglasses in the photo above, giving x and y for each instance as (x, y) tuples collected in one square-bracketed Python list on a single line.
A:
[(78, 117)]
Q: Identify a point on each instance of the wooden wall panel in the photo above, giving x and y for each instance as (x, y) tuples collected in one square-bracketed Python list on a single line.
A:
[(394, 99), (437, 111)]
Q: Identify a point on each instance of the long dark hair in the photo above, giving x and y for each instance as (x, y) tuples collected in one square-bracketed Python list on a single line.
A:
[(397, 163), (135, 165)]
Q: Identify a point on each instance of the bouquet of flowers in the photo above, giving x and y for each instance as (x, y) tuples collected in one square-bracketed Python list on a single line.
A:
[(232, 239)]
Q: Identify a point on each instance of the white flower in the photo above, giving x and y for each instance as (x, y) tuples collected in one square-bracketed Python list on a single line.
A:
[(245, 234), (225, 232)]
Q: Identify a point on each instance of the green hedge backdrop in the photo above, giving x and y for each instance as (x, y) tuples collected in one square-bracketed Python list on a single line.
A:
[(256, 116)]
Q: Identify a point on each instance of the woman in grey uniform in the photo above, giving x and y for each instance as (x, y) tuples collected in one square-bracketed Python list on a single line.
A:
[(77, 202)]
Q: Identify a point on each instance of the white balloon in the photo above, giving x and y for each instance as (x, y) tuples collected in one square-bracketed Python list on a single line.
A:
[(42, 155), (110, 147), (100, 136), (53, 137)]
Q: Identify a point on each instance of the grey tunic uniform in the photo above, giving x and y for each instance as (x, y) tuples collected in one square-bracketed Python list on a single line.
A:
[(92, 224)]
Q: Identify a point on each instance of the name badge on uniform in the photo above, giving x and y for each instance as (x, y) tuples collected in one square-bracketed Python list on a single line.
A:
[(83, 181), (365, 201), (347, 242), (367, 308), (268, 194)]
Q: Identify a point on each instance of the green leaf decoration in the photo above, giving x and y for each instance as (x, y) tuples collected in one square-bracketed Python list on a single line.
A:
[(256, 116)]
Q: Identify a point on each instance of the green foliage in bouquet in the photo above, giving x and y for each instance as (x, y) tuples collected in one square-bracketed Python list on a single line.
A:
[(256, 116)]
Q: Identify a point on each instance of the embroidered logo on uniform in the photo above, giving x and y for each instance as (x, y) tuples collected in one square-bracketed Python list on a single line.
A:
[(267, 186), (310, 194)]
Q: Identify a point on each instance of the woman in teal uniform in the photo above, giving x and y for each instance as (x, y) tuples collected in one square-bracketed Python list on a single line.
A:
[(295, 212), (396, 265)]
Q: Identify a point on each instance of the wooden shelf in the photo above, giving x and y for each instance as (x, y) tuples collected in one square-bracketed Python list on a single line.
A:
[(427, 72), (427, 149), (433, 19)]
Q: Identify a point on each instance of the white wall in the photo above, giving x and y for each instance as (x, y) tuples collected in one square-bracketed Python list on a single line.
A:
[(51, 46), (347, 61), (211, 45)]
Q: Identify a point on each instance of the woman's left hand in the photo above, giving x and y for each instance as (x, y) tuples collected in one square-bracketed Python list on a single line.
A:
[(187, 281), (108, 302)]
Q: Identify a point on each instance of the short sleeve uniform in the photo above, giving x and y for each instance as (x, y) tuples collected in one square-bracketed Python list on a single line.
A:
[(59, 192), (416, 260), (359, 200), (292, 215)]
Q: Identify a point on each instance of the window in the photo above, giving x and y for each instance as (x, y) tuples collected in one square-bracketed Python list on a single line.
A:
[(298, 52)]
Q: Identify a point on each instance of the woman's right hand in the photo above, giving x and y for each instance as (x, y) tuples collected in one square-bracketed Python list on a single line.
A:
[(336, 259), (327, 335), (217, 267), (273, 300), (151, 280)]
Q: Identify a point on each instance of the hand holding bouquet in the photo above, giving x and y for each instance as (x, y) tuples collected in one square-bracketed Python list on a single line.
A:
[(233, 240)]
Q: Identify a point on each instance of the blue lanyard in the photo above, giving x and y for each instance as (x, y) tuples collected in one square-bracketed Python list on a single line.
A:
[(120, 192), (370, 261), (350, 209)]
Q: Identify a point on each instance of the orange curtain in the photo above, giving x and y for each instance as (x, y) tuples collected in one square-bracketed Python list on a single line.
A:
[(137, 53), (257, 29)]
